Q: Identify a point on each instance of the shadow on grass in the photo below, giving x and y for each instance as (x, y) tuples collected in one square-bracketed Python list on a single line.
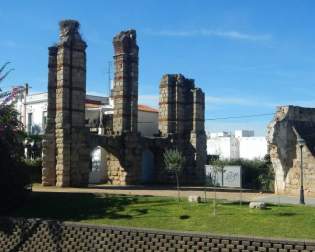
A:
[(235, 203), (285, 214), (75, 206), (184, 217)]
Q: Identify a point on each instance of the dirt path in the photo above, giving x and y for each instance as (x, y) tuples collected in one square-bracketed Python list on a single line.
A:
[(154, 191)]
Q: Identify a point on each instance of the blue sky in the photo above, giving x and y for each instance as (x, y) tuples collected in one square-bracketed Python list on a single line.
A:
[(247, 56)]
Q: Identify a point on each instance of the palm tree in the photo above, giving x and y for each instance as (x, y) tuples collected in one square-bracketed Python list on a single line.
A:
[(174, 161)]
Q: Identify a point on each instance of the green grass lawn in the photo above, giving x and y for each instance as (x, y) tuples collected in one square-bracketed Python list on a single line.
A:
[(166, 213)]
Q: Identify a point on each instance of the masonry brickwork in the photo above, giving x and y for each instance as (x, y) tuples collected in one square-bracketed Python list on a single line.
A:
[(181, 114), (51, 236), (49, 141), (65, 160), (67, 143), (289, 123), (125, 92)]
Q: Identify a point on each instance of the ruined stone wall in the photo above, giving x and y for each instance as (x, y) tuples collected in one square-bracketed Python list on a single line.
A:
[(72, 158), (181, 114), (123, 166), (285, 152), (68, 143), (175, 105)]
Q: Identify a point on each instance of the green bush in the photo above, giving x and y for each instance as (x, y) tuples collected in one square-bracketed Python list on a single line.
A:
[(34, 169), (14, 177), (256, 174)]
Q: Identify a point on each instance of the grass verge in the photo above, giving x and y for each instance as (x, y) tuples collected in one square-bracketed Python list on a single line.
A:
[(285, 221)]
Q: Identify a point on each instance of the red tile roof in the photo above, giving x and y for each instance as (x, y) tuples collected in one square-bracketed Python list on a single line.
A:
[(146, 108), (96, 104)]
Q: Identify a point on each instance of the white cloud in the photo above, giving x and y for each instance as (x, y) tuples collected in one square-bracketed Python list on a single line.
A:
[(236, 35)]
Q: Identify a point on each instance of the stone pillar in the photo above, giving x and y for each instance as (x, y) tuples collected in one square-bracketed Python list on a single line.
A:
[(123, 167), (167, 108), (49, 141), (198, 138), (164, 109), (175, 104), (181, 115), (72, 160), (125, 91)]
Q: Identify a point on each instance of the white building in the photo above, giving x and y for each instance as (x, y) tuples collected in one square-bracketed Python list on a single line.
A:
[(219, 134), (32, 109), (243, 144), (244, 133), (226, 147), (252, 147)]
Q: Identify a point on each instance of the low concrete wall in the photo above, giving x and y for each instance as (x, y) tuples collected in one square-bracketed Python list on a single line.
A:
[(42, 235)]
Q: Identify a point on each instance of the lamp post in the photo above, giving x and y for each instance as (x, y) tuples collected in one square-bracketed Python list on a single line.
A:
[(301, 143)]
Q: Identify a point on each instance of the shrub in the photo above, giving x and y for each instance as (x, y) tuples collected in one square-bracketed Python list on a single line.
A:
[(14, 178), (174, 161), (256, 174), (34, 169)]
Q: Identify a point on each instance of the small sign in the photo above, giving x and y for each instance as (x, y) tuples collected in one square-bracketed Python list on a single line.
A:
[(231, 176)]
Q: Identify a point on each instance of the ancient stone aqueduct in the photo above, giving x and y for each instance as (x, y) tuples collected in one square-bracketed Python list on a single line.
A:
[(67, 143)]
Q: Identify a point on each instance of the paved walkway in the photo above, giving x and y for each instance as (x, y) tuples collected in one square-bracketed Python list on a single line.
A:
[(185, 192), (283, 199)]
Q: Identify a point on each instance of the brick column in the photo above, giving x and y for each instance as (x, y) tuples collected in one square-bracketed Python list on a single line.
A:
[(72, 155), (198, 138), (166, 105), (49, 141), (181, 114), (125, 91), (175, 104), (123, 168)]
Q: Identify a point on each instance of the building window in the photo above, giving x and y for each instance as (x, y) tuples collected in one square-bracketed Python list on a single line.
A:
[(44, 121), (29, 122)]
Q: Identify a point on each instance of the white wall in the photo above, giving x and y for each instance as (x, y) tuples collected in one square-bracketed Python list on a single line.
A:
[(225, 147), (253, 147), (36, 105), (148, 123), (219, 134), (234, 153), (238, 147)]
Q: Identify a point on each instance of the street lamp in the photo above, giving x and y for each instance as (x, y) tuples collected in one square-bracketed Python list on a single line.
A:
[(301, 143)]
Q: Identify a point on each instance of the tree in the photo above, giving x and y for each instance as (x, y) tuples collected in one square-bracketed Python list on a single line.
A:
[(218, 167), (174, 161), (13, 176)]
